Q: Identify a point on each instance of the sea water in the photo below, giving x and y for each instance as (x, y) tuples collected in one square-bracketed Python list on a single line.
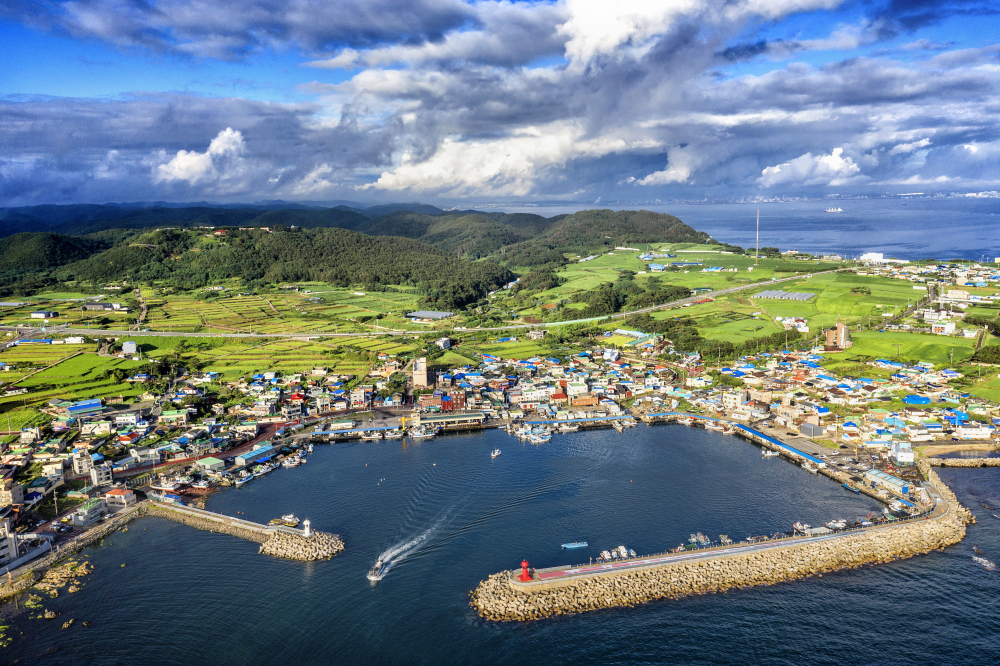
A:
[(448, 516), (908, 228)]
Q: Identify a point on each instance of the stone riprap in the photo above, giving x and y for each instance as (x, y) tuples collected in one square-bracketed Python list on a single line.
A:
[(497, 599), (964, 462), (279, 543), (318, 546)]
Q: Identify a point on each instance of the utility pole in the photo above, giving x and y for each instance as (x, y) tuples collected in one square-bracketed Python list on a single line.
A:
[(756, 254)]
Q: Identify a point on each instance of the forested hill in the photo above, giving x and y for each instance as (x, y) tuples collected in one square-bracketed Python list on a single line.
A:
[(336, 256), (27, 254)]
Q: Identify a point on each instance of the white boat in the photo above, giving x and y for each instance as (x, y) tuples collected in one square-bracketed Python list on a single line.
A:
[(165, 485), (770, 454), (418, 433), (540, 439), (243, 479), (201, 485), (800, 527), (631, 553), (495, 453), (393, 434), (606, 555), (309, 448), (809, 468), (617, 425), (377, 571), (568, 428), (984, 562), (713, 425), (290, 462), (837, 524), (834, 210), (623, 552), (371, 435)]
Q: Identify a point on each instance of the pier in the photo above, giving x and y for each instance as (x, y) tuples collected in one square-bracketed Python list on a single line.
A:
[(277, 540), (526, 594)]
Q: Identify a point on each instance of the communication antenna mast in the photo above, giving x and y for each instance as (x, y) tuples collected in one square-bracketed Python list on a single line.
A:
[(756, 255)]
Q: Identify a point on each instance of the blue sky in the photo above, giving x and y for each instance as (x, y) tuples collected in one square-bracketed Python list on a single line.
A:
[(451, 101)]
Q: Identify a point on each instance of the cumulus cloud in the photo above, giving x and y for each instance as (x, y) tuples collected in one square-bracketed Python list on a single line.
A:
[(444, 98), (833, 169), (226, 149)]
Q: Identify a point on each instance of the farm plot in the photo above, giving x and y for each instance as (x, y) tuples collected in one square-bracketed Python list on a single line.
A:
[(76, 378), (937, 349)]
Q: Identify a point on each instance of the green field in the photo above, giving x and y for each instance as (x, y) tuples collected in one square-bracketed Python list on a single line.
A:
[(936, 349)]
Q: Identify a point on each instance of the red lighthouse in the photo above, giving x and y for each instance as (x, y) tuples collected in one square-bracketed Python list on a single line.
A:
[(525, 576)]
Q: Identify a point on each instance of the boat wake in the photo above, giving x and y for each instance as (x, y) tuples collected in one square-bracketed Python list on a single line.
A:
[(395, 554)]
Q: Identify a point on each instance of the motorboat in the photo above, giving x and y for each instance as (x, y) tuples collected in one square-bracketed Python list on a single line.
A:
[(985, 563), (837, 524), (834, 210), (714, 425), (622, 552), (393, 434), (418, 433), (770, 454), (243, 479), (377, 571), (293, 461), (371, 435), (809, 468), (605, 555), (568, 428), (631, 553), (495, 453), (617, 425), (575, 544), (800, 527)]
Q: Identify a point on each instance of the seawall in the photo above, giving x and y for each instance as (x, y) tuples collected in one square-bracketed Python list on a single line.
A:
[(278, 542), (496, 598), (964, 462)]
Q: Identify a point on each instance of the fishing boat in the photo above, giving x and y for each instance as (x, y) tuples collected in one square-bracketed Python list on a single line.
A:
[(851, 487), (539, 439), (293, 461), (800, 527), (703, 540), (165, 485), (985, 563), (371, 435), (837, 524), (622, 552), (495, 453), (725, 540), (418, 433), (201, 485), (393, 434), (617, 425), (631, 553), (714, 425), (809, 468), (629, 422), (377, 571), (565, 427), (575, 544), (243, 479), (288, 520), (693, 539), (309, 448), (770, 454), (605, 555), (834, 210)]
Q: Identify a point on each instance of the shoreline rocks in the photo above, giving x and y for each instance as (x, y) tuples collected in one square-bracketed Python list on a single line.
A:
[(496, 599)]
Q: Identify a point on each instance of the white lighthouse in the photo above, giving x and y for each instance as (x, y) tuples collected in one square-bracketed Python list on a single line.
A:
[(306, 532)]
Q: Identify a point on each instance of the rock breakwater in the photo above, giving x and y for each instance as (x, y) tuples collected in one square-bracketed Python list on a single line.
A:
[(207, 524), (964, 462), (496, 598), (318, 546)]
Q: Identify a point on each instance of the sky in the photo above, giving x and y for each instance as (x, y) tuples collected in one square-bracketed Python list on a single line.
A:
[(452, 102)]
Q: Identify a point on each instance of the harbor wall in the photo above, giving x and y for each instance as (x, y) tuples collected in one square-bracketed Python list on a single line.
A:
[(277, 541), (496, 598), (964, 462)]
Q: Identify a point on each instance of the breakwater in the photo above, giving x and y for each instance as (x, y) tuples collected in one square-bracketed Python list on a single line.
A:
[(278, 541), (500, 597), (964, 462)]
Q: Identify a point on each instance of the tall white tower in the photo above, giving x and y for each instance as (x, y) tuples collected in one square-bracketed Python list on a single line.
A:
[(306, 531)]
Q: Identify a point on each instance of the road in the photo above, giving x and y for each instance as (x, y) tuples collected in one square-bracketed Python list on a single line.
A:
[(307, 336)]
